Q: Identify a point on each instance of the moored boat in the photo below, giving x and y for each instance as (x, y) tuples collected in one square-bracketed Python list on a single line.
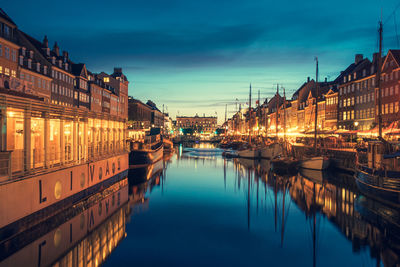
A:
[(315, 163), (149, 152), (271, 151), (249, 153), (378, 174)]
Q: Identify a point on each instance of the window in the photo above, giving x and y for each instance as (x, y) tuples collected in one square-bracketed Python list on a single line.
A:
[(1, 50), (7, 52), (14, 55), (14, 73), (391, 90), (391, 108), (396, 89), (7, 71), (396, 107), (352, 115)]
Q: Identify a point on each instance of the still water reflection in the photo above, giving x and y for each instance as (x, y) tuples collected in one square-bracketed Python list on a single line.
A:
[(196, 208)]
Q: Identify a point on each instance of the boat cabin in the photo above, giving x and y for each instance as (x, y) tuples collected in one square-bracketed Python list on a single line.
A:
[(383, 155)]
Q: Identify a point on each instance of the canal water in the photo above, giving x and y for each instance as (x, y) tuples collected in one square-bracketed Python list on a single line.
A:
[(207, 210), (196, 208)]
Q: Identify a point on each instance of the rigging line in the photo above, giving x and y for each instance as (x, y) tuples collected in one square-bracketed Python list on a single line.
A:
[(391, 14), (395, 29)]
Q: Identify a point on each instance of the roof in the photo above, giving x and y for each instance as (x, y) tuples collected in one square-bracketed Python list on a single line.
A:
[(4, 15), (79, 69)]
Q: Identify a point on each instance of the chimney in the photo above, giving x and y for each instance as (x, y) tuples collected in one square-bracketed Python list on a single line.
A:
[(358, 58), (326, 79), (65, 56), (56, 49), (117, 70), (308, 79), (45, 42)]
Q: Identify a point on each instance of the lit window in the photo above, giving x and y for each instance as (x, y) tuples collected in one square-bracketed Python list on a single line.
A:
[(7, 71), (106, 79), (14, 73)]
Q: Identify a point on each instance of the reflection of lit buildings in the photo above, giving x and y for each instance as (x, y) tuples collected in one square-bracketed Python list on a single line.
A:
[(82, 235)]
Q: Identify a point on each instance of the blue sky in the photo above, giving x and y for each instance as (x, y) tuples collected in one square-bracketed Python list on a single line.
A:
[(197, 56)]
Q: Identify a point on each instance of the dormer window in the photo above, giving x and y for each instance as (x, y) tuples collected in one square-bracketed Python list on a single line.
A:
[(21, 60), (23, 50), (38, 67), (364, 72), (66, 66), (355, 75), (31, 54), (53, 60), (45, 70), (60, 63), (344, 79), (106, 79), (7, 31), (29, 63), (349, 77)]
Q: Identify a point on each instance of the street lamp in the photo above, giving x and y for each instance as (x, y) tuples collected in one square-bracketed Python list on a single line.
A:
[(355, 127)]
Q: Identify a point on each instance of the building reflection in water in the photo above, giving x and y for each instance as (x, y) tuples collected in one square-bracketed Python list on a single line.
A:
[(88, 232), (370, 225)]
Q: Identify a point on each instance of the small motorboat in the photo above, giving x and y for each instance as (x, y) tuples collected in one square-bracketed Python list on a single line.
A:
[(230, 154)]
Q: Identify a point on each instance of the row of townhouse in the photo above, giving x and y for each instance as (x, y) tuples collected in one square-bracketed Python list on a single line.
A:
[(349, 102), (30, 67)]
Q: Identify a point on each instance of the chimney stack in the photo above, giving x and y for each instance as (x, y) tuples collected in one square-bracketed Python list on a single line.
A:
[(326, 79), (56, 49), (65, 56), (45, 42), (117, 70), (308, 79), (358, 58)]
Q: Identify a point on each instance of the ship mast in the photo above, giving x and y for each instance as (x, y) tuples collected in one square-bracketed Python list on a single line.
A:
[(277, 109), (378, 81), (266, 117), (284, 117), (250, 126), (316, 107), (258, 114)]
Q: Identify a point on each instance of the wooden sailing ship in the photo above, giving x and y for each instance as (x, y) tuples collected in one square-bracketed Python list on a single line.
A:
[(378, 167)]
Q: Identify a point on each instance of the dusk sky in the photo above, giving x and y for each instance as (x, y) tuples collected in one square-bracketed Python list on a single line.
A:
[(197, 56)]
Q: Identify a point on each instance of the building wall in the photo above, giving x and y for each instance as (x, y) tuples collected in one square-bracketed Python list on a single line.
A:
[(62, 88), (390, 91), (207, 124)]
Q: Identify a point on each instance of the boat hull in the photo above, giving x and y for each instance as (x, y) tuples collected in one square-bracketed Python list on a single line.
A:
[(272, 151), (142, 158), (315, 163), (382, 186), (249, 154)]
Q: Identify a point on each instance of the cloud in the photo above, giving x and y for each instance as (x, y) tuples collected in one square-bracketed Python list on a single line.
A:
[(191, 46)]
